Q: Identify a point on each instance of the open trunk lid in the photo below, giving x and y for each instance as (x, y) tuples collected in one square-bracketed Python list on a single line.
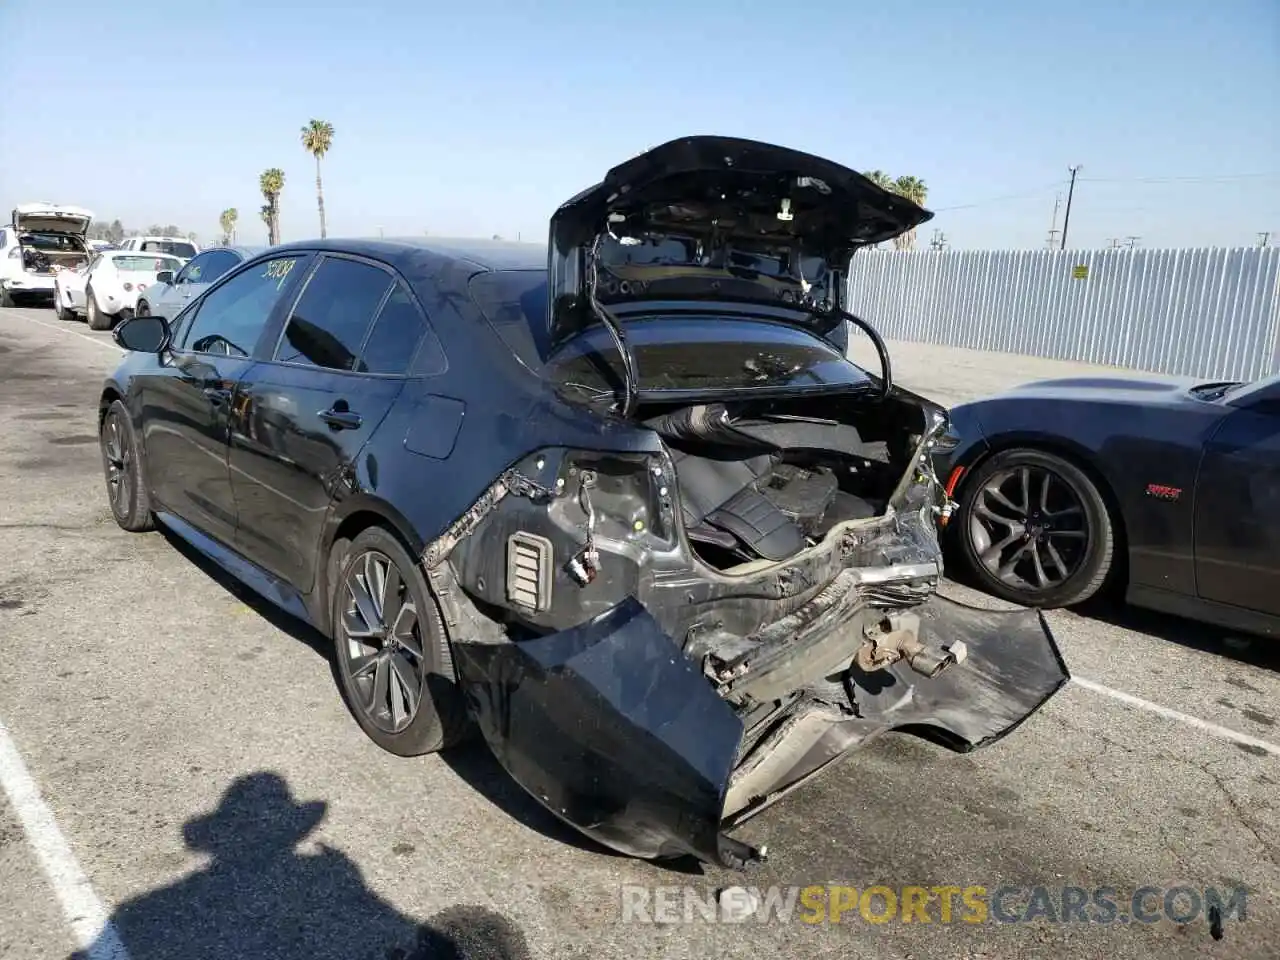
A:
[(47, 217), (704, 220)]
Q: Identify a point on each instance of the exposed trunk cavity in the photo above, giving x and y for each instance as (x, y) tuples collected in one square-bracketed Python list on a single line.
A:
[(40, 256), (761, 481)]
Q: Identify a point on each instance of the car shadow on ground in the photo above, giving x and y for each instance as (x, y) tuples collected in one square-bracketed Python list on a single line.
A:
[(258, 896), (1109, 607), (471, 760), (1242, 647)]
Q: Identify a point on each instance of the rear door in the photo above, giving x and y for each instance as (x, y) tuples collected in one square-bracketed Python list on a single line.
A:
[(188, 400), (1238, 506), (303, 417)]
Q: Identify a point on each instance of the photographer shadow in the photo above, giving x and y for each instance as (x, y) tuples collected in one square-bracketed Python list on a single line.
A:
[(260, 897)]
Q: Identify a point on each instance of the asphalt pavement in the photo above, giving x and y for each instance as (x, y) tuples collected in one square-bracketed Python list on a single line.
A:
[(181, 778)]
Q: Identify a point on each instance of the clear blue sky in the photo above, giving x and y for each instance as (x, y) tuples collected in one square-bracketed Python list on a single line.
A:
[(480, 118)]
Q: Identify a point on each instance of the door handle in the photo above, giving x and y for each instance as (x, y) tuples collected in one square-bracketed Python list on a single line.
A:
[(217, 395), (341, 419)]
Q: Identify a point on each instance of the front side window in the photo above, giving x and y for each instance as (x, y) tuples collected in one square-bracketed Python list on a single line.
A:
[(230, 319), (331, 318)]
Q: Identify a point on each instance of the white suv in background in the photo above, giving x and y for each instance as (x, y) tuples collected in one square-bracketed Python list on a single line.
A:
[(179, 247), (40, 239)]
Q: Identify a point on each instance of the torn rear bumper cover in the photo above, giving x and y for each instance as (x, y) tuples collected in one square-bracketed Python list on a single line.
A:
[(619, 734)]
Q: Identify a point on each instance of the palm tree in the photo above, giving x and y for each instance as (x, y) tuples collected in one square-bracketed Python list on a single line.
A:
[(915, 190), (880, 179), (227, 220), (272, 183), (317, 137)]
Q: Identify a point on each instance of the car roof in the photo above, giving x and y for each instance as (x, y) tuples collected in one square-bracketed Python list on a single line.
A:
[(159, 236), (483, 254), (112, 253), (244, 251)]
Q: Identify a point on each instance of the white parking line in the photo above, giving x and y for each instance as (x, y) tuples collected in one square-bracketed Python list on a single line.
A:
[(93, 930), (61, 329), (1224, 733)]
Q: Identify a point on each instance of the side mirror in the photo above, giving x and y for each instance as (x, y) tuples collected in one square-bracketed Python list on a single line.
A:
[(150, 334), (164, 276)]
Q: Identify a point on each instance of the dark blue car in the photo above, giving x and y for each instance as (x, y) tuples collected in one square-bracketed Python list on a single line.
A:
[(621, 502)]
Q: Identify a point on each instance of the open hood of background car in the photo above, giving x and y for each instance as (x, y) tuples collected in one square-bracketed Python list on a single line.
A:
[(51, 218), (717, 219)]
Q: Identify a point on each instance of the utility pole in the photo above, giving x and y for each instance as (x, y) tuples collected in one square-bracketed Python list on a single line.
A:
[(1264, 238), (1053, 224), (1066, 219), (1132, 242), (939, 241), (1113, 242)]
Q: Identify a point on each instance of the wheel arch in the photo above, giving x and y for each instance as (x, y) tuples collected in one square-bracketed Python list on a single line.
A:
[(346, 521), (111, 392), (1081, 457)]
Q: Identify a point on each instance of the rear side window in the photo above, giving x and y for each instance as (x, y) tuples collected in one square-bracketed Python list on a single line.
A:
[(219, 262), (399, 334), (328, 324)]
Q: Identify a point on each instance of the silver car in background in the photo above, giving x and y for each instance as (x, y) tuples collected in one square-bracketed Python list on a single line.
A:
[(171, 293)]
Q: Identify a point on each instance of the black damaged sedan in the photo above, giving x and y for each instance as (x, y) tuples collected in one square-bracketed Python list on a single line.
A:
[(622, 503)]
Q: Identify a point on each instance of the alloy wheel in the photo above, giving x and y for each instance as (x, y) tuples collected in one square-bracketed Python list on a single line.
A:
[(381, 642), (118, 454), (1029, 528)]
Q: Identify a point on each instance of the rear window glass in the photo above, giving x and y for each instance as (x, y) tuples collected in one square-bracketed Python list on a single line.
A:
[(705, 353), (515, 304), (52, 241), (146, 264), (172, 247)]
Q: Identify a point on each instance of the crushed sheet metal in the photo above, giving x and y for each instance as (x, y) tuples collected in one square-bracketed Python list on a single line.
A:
[(509, 482)]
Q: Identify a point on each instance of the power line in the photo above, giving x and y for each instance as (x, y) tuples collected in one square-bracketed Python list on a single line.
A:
[(1223, 178), (1057, 185), (1013, 196)]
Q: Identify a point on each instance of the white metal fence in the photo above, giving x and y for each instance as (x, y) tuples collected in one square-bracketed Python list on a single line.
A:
[(1201, 312)]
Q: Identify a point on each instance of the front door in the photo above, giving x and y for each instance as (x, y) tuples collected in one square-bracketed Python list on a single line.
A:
[(1238, 506), (188, 402), (303, 417)]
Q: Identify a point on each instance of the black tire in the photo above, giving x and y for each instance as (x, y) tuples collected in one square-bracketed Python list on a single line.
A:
[(439, 717), (1052, 547), (63, 312), (96, 319), (124, 470)]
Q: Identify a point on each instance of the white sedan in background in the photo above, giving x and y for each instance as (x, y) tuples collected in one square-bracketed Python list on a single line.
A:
[(106, 289)]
